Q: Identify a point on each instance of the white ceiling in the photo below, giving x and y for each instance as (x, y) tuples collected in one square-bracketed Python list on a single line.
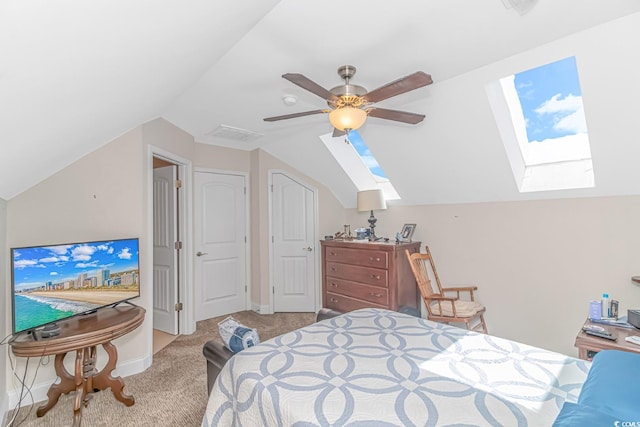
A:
[(74, 75)]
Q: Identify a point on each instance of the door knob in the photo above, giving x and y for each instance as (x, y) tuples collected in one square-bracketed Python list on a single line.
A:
[(201, 253), (308, 249)]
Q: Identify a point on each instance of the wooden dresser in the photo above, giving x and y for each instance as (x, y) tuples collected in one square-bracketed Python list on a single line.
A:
[(358, 274)]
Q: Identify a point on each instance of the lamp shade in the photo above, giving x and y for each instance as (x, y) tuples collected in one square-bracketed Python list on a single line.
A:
[(347, 118), (371, 200)]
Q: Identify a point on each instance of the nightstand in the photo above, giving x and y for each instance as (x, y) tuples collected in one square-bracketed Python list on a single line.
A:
[(589, 345)]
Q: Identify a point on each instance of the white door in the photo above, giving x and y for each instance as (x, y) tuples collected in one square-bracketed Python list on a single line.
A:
[(294, 243), (220, 244), (165, 276)]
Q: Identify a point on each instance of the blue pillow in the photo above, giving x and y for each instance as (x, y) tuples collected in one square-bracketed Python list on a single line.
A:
[(575, 415), (613, 385)]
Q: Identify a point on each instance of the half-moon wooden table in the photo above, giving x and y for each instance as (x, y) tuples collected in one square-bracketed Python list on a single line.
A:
[(82, 334)]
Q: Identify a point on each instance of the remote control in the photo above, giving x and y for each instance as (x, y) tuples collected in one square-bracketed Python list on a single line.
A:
[(633, 339), (606, 335), (593, 328)]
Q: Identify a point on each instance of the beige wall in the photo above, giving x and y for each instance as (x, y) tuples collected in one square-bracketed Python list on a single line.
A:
[(105, 194), (537, 263), (162, 134), (100, 196), (5, 318)]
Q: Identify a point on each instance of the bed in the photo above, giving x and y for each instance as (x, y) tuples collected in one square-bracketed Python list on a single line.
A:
[(374, 367)]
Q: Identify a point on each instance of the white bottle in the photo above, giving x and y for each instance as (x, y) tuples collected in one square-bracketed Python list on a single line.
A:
[(605, 305)]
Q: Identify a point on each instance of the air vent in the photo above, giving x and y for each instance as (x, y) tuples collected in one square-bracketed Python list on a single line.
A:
[(236, 134)]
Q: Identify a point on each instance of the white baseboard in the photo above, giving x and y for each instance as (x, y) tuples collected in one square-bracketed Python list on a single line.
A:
[(39, 390), (262, 309)]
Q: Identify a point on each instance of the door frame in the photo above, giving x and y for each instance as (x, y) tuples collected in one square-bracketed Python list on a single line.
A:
[(186, 317), (247, 219), (316, 242)]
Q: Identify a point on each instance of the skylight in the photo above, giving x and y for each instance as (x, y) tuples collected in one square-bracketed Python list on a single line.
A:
[(353, 155), (541, 119), (365, 154)]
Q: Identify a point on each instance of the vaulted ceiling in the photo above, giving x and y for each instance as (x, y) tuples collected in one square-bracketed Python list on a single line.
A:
[(75, 75)]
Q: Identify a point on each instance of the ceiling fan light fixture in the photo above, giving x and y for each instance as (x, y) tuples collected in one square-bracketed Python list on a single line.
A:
[(347, 118)]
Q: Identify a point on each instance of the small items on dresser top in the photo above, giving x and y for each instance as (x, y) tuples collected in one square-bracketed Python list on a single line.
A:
[(605, 312), (633, 318), (606, 308)]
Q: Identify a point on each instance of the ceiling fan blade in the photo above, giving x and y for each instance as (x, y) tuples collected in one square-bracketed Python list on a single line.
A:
[(294, 115), (398, 116), (402, 85), (311, 86), (337, 133)]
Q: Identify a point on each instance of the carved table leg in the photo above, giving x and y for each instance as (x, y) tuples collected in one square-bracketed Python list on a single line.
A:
[(88, 372), (67, 384), (79, 386), (104, 379)]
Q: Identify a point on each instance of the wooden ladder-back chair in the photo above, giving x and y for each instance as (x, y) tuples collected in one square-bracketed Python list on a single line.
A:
[(443, 308)]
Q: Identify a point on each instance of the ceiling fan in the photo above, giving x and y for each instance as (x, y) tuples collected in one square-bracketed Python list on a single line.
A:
[(351, 104)]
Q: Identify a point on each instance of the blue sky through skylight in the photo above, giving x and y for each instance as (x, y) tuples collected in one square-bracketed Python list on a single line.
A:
[(551, 100), (363, 151)]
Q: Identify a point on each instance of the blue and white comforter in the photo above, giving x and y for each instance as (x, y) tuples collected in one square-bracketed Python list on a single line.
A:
[(376, 367)]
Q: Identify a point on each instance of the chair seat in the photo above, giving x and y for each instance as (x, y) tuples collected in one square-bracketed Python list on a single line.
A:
[(463, 308)]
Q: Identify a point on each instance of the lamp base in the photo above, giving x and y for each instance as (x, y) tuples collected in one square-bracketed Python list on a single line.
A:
[(372, 226)]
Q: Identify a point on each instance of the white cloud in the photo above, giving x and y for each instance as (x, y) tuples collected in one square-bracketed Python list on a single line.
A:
[(86, 264), (25, 263), (523, 85), (573, 123), (82, 253), (370, 161), (50, 259), (567, 112), (59, 250), (53, 273), (569, 104), (125, 254)]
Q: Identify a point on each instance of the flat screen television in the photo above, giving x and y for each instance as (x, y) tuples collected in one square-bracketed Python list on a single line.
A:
[(51, 283)]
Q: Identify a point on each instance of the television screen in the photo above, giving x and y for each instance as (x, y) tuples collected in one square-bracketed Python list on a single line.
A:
[(55, 282)]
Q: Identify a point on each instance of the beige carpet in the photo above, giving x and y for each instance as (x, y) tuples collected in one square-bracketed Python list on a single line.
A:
[(173, 391)]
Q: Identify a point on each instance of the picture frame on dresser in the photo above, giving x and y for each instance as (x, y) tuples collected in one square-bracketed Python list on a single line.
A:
[(407, 232)]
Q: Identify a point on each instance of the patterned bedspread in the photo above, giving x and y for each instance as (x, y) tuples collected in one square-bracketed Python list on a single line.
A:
[(376, 367)]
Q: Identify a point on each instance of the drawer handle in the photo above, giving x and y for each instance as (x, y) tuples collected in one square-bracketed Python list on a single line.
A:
[(335, 285), (375, 294), (333, 300), (375, 276), (333, 253), (334, 269), (377, 259)]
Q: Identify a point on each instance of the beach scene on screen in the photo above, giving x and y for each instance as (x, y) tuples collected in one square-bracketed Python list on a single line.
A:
[(56, 282)]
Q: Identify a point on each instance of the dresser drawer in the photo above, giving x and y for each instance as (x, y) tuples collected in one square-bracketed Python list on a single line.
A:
[(375, 294), (377, 259), (371, 276), (345, 304)]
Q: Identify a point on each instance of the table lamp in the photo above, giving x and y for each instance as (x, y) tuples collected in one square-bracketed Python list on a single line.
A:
[(371, 200)]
